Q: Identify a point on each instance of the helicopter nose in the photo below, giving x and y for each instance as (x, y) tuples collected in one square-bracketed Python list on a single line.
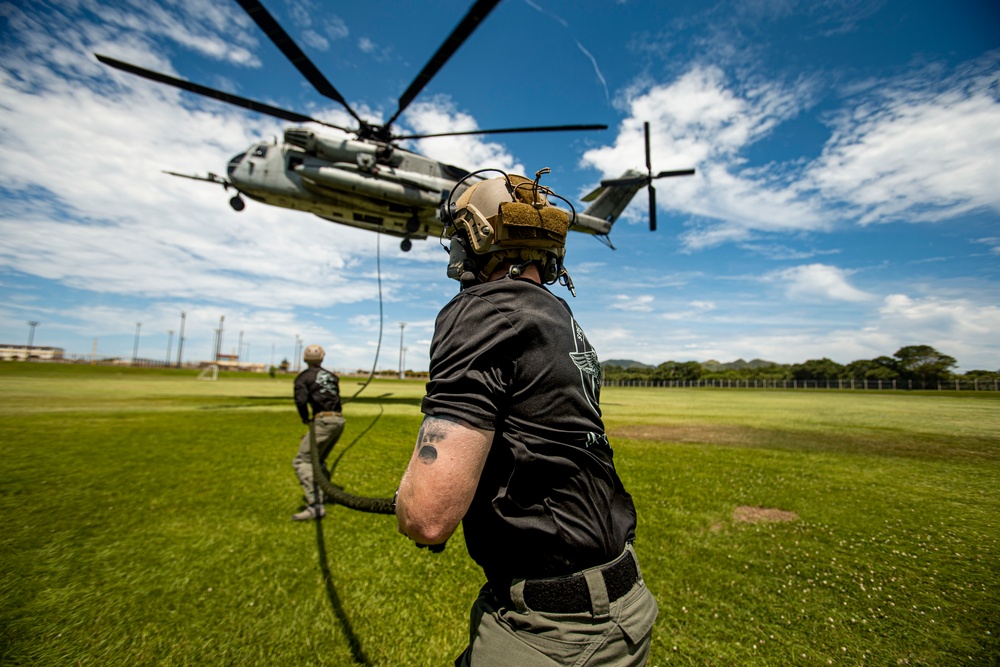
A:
[(234, 162)]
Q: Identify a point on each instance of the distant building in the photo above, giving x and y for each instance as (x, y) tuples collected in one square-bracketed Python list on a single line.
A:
[(22, 352), (228, 362)]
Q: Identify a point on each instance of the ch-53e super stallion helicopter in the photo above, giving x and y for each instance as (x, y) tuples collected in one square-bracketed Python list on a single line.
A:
[(370, 181)]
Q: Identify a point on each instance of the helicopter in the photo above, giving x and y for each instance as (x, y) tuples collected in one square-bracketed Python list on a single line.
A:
[(361, 177)]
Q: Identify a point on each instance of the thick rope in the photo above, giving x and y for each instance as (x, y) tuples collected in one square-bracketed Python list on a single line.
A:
[(341, 497), (378, 346)]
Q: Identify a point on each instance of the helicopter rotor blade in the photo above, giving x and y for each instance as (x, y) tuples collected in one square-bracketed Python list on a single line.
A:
[(509, 130), (676, 172), (472, 19), (291, 50), (211, 178), (205, 91), (637, 180), (652, 208), (649, 164)]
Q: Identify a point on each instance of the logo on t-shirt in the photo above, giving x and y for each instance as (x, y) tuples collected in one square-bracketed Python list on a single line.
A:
[(327, 383), (586, 360), (588, 363)]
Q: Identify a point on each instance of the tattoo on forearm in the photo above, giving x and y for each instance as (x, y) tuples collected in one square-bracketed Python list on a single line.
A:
[(428, 454), (430, 433)]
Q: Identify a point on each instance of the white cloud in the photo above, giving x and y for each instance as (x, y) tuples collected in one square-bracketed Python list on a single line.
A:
[(918, 151), (921, 149), (941, 317), (87, 207), (642, 303), (216, 30), (694, 310), (822, 282), (470, 151), (701, 120), (993, 242), (333, 27)]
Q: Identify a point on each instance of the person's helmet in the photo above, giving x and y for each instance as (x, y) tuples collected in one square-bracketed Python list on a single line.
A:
[(506, 218), (313, 353)]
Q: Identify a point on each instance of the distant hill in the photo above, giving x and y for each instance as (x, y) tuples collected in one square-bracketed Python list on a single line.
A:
[(711, 365), (625, 363)]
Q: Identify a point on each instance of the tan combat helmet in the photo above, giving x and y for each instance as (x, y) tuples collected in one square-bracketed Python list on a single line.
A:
[(507, 218), (313, 355)]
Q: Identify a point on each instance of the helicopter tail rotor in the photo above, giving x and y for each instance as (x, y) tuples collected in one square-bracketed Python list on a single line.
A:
[(648, 179), (652, 207)]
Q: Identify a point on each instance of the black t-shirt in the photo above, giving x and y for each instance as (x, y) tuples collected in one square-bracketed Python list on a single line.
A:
[(319, 388), (508, 356)]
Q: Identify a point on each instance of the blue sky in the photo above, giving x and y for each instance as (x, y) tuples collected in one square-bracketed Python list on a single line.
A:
[(846, 203)]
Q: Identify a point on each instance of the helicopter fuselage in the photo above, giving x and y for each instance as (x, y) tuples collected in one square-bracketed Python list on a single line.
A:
[(362, 184), (349, 182), (369, 181)]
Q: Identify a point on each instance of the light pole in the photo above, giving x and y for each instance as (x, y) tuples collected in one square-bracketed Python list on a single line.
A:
[(31, 337), (135, 347), (180, 339), (402, 374), (218, 340), (170, 344)]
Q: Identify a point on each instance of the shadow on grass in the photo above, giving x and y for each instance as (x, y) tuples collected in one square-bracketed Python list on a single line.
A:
[(357, 652), (398, 400), (336, 461)]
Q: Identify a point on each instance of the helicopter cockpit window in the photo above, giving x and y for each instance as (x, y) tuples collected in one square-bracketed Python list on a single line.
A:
[(235, 162), (260, 151)]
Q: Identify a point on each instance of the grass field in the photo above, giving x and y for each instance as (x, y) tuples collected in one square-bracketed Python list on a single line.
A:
[(145, 521)]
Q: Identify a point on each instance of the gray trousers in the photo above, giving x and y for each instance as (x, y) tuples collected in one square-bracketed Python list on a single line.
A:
[(328, 430), (616, 633)]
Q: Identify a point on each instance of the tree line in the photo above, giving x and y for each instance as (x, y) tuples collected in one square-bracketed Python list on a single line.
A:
[(918, 365)]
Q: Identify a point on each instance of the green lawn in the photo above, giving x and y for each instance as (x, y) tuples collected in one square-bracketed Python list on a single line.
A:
[(145, 521)]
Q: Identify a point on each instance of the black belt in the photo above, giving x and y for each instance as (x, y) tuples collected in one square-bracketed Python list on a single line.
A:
[(328, 414), (568, 595)]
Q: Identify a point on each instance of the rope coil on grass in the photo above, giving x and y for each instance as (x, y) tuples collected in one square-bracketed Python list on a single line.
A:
[(341, 497)]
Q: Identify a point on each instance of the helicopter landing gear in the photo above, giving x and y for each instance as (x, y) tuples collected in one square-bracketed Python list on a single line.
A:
[(406, 245), (237, 203)]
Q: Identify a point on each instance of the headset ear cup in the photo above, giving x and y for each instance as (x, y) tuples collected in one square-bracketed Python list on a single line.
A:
[(551, 273)]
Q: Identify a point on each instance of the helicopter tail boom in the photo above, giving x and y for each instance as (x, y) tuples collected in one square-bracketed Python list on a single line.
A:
[(607, 202)]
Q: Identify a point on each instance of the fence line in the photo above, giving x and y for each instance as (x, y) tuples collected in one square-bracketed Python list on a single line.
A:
[(871, 385)]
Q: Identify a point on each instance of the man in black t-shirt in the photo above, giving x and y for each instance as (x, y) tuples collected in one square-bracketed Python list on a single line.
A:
[(319, 389), (513, 447)]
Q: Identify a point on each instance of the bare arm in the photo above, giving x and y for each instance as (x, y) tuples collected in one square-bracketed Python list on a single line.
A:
[(441, 479)]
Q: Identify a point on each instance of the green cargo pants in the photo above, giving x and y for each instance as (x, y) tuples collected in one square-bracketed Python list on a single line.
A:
[(329, 426), (616, 633)]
